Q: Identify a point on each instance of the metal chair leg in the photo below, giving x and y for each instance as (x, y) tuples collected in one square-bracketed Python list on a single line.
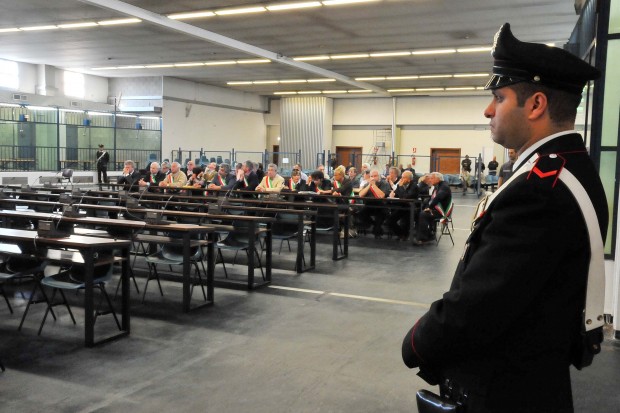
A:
[(6, 298)]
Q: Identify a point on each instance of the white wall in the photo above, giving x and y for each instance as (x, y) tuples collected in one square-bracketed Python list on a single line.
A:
[(211, 128)]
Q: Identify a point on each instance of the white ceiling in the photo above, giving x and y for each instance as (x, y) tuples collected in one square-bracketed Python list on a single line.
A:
[(384, 25)]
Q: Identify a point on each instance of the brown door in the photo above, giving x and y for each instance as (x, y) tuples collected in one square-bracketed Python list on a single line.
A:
[(349, 154), (276, 155), (446, 160)]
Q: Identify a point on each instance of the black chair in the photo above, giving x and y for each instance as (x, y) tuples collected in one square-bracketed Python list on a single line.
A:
[(173, 255), (72, 279), (237, 240), (284, 229), (66, 175), (1, 366), (219, 160)]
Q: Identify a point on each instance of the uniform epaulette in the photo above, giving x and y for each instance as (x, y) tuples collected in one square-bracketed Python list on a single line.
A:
[(547, 168)]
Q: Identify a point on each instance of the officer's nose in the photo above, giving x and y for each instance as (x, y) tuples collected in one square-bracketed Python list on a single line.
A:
[(489, 112)]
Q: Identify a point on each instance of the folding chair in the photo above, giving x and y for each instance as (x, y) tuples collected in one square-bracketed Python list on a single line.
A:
[(444, 225)]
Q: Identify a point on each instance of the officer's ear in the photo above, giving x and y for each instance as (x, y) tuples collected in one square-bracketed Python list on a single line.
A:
[(537, 104)]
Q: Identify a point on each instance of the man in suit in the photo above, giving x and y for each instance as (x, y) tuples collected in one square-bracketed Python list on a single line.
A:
[(399, 220), (438, 205), (272, 182), (103, 157), (130, 176), (246, 177), (153, 178), (510, 326), (224, 180), (295, 182), (354, 177)]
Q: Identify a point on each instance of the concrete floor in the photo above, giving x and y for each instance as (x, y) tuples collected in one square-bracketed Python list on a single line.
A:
[(323, 341)]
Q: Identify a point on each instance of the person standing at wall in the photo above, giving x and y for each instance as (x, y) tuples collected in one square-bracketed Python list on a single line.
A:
[(103, 157)]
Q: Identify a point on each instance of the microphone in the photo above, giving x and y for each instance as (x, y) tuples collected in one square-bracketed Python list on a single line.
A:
[(37, 180), (156, 217)]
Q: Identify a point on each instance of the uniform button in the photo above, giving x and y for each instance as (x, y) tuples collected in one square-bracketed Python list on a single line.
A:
[(553, 156)]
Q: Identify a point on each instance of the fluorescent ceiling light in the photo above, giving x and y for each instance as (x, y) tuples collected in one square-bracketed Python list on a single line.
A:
[(284, 93), (77, 25), (150, 117), (320, 80), (349, 56), (434, 76), (389, 54), (72, 110), (429, 89), (293, 81), (461, 88), (191, 15), (39, 108), (100, 114), (471, 75), (265, 82), (118, 21), (225, 12), (480, 88), (239, 83), (33, 28), (105, 68), (290, 6), (12, 29), (159, 66), (331, 92), (474, 49), (123, 115), (438, 51), (189, 64), (400, 90), (309, 92), (221, 62), (360, 91), (252, 61), (339, 2), (304, 58), (131, 67), (10, 105), (375, 78), (402, 77)]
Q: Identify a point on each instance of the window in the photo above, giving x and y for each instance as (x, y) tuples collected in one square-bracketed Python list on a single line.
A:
[(9, 75), (74, 85)]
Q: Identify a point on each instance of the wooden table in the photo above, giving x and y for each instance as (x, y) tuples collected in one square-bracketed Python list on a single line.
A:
[(87, 247)]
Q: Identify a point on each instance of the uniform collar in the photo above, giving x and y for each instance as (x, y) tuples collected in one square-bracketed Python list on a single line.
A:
[(529, 151)]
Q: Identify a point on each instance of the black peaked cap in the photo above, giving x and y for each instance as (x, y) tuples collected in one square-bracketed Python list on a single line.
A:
[(517, 61)]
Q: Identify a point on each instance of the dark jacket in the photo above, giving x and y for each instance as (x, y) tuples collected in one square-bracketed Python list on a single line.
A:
[(325, 184), (130, 181), (252, 182), (301, 186), (154, 180), (505, 329), (346, 188), (409, 192), (440, 197), (102, 161)]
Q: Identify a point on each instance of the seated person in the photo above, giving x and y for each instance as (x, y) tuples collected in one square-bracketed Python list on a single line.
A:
[(246, 177), (189, 168), (130, 176), (153, 178), (317, 183), (354, 177), (211, 172), (342, 185), (165, 168), (424, 184), (224, 180), (295, 182), (321, 168), (297, 167), (392, 177), (440, 201), (375, 189), (196, 178), (272, 181), (465, 180), (399, 220), (176, 178)]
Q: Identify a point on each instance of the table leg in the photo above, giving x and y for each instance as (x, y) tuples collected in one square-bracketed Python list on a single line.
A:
[(186, 273), (89, 316)]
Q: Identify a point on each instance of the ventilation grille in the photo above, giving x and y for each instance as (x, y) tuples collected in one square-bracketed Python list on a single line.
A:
[(21, 98)]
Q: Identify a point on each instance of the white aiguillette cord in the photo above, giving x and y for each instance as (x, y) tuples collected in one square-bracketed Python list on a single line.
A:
[(595, 293)]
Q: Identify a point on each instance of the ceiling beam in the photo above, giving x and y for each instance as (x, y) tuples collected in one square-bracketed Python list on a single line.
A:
[(212, 37)]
